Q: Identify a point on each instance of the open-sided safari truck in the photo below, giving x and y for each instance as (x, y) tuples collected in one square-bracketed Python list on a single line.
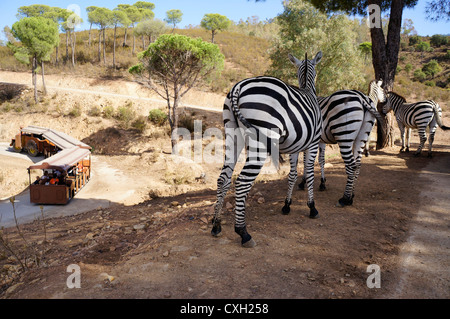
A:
[(63, 176), (40, 140)]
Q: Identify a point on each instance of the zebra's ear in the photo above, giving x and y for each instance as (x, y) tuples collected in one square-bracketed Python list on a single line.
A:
[(317, 58), (294, 60), (380, 83)]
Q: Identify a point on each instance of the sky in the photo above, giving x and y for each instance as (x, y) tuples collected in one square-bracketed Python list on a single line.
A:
[(194, 10)]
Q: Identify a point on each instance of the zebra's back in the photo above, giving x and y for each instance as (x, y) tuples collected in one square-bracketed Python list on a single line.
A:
[(414, 115)]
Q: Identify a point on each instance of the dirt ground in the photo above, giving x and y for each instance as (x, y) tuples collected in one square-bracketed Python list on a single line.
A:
[(156, 243)]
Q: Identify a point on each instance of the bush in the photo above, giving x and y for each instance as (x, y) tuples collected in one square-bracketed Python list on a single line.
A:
[(75, 111), (432, 68), (125, 114), (408, 68), (438, 39), (419, 75), (413, 40), (430, 83), (157, 117), (108, 111), (140, 123), (423, 47)]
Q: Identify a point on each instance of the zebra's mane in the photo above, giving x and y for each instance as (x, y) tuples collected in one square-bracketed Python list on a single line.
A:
[(397, 95)]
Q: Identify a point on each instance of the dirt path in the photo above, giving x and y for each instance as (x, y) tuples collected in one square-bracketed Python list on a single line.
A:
[(426, 253)]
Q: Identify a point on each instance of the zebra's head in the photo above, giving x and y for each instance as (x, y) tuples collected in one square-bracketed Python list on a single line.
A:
[(376, 92), (306, 70), (387, 106)]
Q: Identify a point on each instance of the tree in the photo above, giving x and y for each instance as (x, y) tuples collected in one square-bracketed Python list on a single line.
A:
[(438, 10), (366, 49), (385, 49), (103, 18), (70, 21), (304, 29), (38, 36), (215, 22), (91, 20), (134, 15), (151, 29), (119, 18), (172, 65), (174, 17)]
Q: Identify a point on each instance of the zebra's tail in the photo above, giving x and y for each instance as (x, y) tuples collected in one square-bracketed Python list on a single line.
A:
[(438, 115), (234, 99)]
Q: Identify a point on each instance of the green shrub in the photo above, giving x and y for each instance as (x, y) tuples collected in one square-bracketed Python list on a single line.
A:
[(108, 111), (140, 123), (430, 83), (75, 111), (438, 39), (432, 68), (125, 114), (408, 68), (413, 40), (419, 75), (157, 117)]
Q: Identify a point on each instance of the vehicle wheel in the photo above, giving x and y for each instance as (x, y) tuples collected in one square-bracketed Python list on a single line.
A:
[(17, 149), (32, 148)]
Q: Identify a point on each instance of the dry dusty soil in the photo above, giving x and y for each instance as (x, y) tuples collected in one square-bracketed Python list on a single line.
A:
[(159, 244)]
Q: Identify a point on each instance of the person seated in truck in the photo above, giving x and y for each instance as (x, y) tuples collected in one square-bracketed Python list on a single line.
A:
[(38, 179), (54, 180), (44, 178)]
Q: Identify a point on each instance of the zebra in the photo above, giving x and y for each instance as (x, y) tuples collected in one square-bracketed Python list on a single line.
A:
[(348, 118), (289, 117), (418, 115)]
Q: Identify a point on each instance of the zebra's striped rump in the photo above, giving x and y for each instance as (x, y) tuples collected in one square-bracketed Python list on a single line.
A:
[(266, 116), (348, 119)]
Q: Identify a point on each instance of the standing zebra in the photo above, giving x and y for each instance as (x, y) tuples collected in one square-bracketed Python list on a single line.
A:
[(348, 118), (418, 115), (289, 118)]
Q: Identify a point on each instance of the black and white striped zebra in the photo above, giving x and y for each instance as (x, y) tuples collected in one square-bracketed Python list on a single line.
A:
[(348, 118), (289, 118), (419, 115)]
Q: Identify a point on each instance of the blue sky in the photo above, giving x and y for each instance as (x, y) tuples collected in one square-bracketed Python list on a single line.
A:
[(194, 10)]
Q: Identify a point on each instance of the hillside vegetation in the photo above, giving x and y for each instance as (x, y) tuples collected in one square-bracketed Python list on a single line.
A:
[(246, 55)]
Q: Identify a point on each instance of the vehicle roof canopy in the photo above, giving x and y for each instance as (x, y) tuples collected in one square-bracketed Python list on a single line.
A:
[(60, 139), (63, 160)]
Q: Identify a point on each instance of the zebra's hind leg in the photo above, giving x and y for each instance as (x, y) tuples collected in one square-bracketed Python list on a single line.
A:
[(433, 127), (423, 139), (234, 143), (251, 170), (350, 169), (322, 185), (301, 185), (310, 156), (293, 160)]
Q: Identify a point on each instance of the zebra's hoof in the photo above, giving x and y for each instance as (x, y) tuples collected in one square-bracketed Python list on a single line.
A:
[(217, 228), (285, 210), (249, 244), (344, 202), (314, 214), (322, 187)]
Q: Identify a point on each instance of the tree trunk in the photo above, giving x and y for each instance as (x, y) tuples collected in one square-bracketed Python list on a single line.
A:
[(90, 29), (104, 46), (99, 44), (67, 46), (43, 79), (134, 41), (125, 37), (57, 55), (34, 78), (114, 50), (72, 44), (385, 59), (212, 37)]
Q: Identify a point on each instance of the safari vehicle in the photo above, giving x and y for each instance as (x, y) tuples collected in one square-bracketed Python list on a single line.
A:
[(39, 140), (68, 172)]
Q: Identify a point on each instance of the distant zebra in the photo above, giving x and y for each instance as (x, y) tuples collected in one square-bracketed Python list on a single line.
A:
[(418, 115), (289, 117), (348, 118)]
